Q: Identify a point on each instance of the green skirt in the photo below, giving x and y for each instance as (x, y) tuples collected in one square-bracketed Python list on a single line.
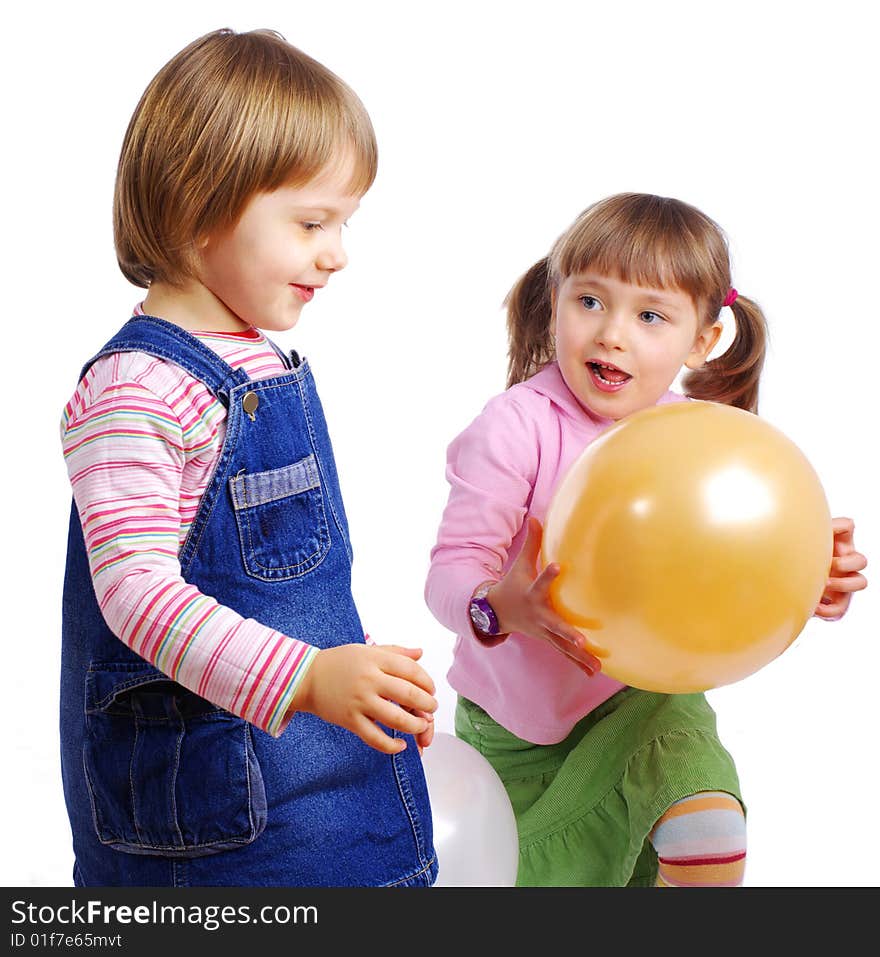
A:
[(585, 806)]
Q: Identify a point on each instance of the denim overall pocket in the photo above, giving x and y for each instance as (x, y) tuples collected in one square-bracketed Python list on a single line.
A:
[(282, 524), (167, 772)]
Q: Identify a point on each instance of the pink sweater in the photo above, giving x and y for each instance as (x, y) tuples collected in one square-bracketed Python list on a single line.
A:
[(504, 467)]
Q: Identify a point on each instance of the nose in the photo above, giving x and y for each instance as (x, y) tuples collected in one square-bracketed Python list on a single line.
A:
[(611, 331), (331, 256)]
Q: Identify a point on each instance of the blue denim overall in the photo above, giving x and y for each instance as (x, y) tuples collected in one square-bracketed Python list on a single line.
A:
[(162, 787)]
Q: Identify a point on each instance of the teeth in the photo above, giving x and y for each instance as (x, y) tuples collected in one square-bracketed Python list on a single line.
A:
[(599, 366)]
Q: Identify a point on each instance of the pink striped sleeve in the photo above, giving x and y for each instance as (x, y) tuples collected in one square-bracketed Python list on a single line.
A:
[(140, 438)]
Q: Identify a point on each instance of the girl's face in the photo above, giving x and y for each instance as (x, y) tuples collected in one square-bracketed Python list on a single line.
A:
[(620, 346), (284, 248)]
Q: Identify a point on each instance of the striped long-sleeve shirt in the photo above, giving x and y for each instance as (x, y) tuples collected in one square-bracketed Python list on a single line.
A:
[(141, 438)]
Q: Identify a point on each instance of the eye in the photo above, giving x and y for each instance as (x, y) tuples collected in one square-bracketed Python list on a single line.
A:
[(310, 227), (590, 302), (651, 318)]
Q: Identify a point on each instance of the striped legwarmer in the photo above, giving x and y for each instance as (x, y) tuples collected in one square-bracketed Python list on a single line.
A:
[(701, 842)]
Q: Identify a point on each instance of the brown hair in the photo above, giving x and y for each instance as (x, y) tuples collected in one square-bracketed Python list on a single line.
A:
[(652, 241), (231, 115)]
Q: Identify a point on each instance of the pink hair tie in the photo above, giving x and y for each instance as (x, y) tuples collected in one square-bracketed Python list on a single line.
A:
[(730, 298)]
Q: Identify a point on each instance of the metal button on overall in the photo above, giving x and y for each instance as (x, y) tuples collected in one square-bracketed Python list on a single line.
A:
[(249, 403)]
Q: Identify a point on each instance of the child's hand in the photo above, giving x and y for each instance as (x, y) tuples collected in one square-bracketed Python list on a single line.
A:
[(844, 577), (355, 686), (522, 603), (424, 738)]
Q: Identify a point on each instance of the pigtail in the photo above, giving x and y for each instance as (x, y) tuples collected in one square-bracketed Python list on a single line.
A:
[(733, 377), (529, 311)]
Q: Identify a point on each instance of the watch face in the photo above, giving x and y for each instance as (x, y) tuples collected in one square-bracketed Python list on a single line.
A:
[(480, 619), (483, 617)]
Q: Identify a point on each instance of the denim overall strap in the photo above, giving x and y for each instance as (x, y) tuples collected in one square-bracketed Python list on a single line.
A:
[(164, 340)]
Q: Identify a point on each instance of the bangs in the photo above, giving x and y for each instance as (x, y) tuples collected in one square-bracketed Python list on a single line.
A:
[(328, 133), (648, 241), (275, 117), (290, 121)]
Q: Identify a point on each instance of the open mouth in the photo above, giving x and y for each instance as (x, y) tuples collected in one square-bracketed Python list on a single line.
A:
[(608, 377)]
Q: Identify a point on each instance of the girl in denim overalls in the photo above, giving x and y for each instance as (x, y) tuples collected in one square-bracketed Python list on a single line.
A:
[(223, 720)]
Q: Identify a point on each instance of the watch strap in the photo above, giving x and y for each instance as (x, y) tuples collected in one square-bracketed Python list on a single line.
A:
[(482, 590)]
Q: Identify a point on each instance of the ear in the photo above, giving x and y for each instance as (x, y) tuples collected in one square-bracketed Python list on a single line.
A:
[(705, 342)]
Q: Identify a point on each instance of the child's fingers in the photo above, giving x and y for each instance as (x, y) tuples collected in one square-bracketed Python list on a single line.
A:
[(424, 739), (574, 648), (843, 529), (833, 609), (541, 585), (531, 546), (844, 564), (556, 625), (407, 694), (849, 583), (569, 633), (391, 714), (560, 631), (370, 733), (844, 578), (402, 667), (586, 666), (414, 653)]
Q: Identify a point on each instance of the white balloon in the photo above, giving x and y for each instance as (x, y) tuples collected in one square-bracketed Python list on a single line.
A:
[(474, 827)]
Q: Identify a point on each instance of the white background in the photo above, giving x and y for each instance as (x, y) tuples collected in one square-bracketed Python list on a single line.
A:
[(497, 123)]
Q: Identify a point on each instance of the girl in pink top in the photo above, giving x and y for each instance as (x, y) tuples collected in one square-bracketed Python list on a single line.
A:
[(610, 785)]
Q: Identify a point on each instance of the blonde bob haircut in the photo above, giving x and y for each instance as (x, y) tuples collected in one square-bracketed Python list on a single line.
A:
[(231, 115)]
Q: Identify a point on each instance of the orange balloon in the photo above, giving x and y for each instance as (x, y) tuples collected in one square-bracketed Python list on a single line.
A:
[(694, 541)]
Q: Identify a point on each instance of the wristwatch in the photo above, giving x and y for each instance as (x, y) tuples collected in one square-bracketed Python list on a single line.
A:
[(482, 614)]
